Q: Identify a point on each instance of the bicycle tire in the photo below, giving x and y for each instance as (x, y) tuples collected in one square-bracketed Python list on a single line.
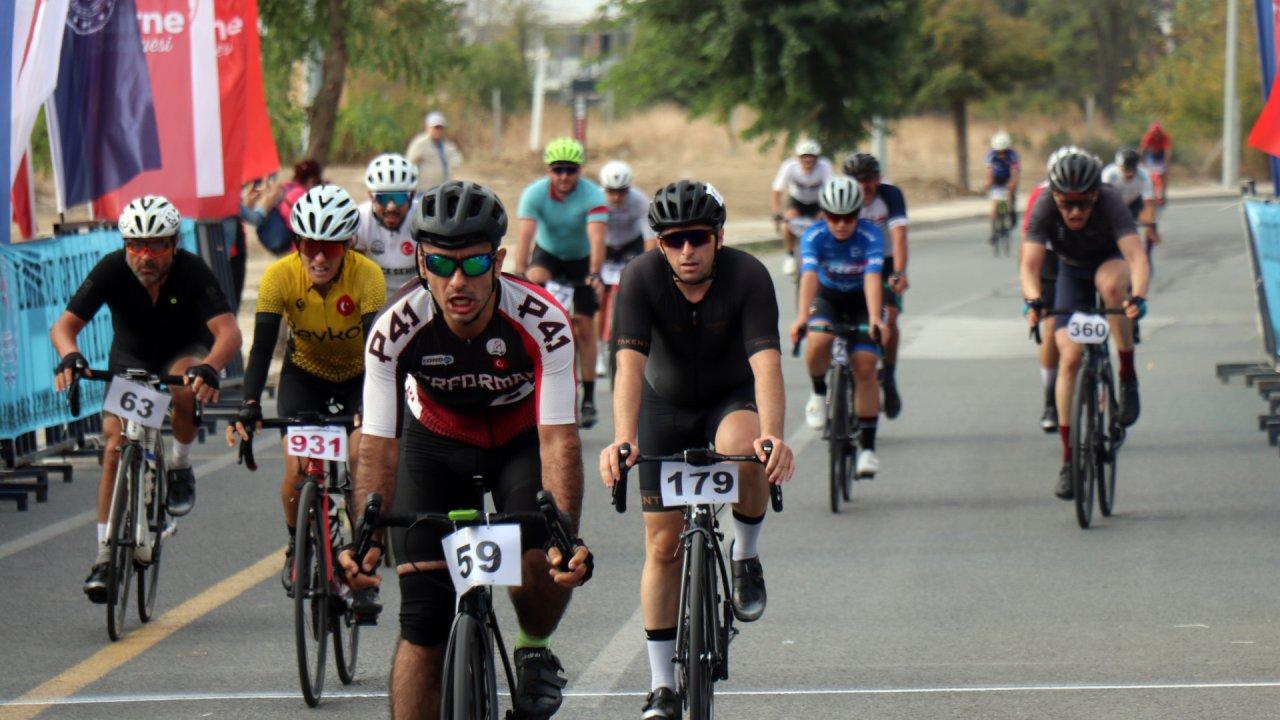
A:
[(120, 571), (837, 442), (699, 658), (470, 690), (346, 631), (1083, 465), (310, 594), (149, 574), (1109, 432)]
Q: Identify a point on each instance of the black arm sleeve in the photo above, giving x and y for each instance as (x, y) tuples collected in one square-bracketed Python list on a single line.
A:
[(633, 322), (266, 329), (759, 310)]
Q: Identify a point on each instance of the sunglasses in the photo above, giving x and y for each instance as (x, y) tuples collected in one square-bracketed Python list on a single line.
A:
[(152, 248), (400, 198), (472, 265), (1075, 203), (696, 238), (842, 219), (565, 169), (330, 250)]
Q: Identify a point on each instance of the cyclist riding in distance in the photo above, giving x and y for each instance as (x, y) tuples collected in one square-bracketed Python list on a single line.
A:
[(383, 234), (169, 317), (842, 263), (1137, 191), (1003, 172), (801, 178), (1098, 249), (329, 296), (469, 380), (566, 213), (1156, 147), (698, 363), (627, 234), (884, 205)]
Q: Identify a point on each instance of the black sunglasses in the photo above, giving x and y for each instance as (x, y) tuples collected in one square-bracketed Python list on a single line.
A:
[(472, 265), (697, 238), (1075, 203), (565, 169)]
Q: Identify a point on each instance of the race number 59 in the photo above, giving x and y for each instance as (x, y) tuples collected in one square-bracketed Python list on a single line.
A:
[(137, 402), (698, 485), (483, 555), (319, 442)]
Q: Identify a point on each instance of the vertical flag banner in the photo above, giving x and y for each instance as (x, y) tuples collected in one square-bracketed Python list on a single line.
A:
[(246, 127), (38, 29), (102, 124), (1265, 135), (6, 88)]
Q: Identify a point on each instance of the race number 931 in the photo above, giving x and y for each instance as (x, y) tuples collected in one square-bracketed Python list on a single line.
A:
[(319, 442), (698, 484), (1087, 328), (483, 555)]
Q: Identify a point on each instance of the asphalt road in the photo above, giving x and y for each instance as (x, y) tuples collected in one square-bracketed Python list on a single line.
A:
[(955, 586)]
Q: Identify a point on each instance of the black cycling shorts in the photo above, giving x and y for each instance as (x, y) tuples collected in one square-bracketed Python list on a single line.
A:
[(849, 308), (805, 209), (124, 361), (666, 428), (300, 391), (1076, 288), (573, 272), (624, 253)]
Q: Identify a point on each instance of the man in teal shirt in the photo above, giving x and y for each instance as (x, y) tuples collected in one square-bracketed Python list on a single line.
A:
[(567, 214)]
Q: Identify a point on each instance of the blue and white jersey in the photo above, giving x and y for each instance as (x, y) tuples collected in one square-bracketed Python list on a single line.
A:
[(842, 264), (1002, 167)]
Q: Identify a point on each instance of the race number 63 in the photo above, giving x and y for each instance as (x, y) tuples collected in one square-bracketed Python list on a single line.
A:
[(137, 402)]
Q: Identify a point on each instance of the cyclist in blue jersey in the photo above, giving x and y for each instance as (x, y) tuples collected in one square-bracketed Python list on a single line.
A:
[(567, 213), (842, 262), (1003, 171)]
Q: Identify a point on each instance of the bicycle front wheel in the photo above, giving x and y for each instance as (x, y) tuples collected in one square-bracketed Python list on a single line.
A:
[(120, 572), (470, 690), (837, 442), (1084, 422), (310, 593), (700, 605), (156, 519), (1108, 434)]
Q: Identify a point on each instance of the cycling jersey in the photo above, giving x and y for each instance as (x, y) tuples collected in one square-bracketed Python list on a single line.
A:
[(392, 249), (1002, 167), (800, 185), (888, 209), (1139, 188), (517, 374), (697, 351), (1049, 268), (153, 333), (628, 221), (842, 264), (1090, 246), (562, 221), (325, 332)]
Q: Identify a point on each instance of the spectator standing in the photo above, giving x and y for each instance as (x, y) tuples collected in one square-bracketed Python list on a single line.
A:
[(436, 156)]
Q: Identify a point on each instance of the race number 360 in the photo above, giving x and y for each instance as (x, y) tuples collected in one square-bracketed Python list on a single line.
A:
[(1087, 328), (319, 442), (696, 485)]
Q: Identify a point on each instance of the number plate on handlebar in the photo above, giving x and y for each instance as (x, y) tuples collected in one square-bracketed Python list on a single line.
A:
[(322, 442), (698, 484), (562, 293), (483, 555), (1087, 328), (137, 402)]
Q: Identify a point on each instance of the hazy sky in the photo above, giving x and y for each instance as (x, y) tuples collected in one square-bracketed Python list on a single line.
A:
[(569, 10)]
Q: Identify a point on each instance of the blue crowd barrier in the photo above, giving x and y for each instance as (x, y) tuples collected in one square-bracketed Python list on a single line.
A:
[(1262, 219), (36, 281)]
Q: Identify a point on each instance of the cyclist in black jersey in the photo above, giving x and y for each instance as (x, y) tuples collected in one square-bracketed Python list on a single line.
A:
[(698, 363), (469, 375)]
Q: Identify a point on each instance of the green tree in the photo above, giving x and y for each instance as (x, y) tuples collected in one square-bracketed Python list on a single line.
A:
[(818, 67), (971, 49), (407, 40)]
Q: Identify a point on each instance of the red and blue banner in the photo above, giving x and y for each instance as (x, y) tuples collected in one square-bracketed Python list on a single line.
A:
[(6, 88)]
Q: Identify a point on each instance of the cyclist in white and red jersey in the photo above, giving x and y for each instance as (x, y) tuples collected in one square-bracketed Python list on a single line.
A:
[(800, 178), (627, 234), (469, 374), (384, 234)]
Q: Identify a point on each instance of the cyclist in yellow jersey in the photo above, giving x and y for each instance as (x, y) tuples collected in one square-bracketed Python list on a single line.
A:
[(330, 297)]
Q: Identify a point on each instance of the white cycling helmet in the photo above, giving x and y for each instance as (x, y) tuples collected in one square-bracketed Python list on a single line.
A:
[(841, 195), (808, 146), (391, 172), (150, 216), (1001, 141), (325, 213), (1064, 150), (616, 175)]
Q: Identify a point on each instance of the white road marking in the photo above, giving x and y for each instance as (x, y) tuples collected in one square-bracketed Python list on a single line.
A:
[(610, 664)]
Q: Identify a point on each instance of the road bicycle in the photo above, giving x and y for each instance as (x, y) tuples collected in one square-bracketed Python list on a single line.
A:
[(1003, 223), (706, 611)]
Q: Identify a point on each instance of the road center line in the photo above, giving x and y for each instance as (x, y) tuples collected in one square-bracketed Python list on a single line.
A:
[(136, 642)]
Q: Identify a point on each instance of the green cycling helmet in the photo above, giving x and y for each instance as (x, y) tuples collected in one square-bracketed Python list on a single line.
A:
[(564, 149)]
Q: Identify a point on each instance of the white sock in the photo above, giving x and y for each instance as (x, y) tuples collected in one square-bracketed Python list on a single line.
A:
[(181, 456), (662, 672), (102, 533), (1048, 377), (745, 535)]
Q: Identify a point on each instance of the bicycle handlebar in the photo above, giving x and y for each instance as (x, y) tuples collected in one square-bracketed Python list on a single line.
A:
[(143, 376), (1035, 329), (246, 457), (693, 456), (842, 329)]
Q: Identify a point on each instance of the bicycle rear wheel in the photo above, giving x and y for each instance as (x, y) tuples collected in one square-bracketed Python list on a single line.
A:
[(1084, 422), (700, 659), (470, 690), (1109, 433), (837, 442), (156, 518), (120, 572), (346, 631), (310, 593)]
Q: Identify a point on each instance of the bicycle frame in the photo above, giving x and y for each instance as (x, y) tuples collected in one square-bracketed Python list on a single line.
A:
[(701, 525), (151, 443)]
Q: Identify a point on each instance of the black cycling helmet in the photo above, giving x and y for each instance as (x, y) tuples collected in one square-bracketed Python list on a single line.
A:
[(1075, 172), (860, 165), (1127, 158), (457, 214), (687, 202)]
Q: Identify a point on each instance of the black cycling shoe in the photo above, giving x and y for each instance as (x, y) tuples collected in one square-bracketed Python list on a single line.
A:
[(1129, 405), (662, 704), (588, 416), (365, 605), (286, 573), (1049, 420), (892, 402), (539, 683), (749, 596), (182, 491), (95, 586), (1064, 489)]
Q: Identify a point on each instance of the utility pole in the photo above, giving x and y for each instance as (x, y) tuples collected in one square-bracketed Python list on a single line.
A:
[(1231, 103), (539, 79)]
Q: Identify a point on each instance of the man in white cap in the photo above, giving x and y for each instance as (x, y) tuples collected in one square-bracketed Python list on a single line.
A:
[(437, 157)]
